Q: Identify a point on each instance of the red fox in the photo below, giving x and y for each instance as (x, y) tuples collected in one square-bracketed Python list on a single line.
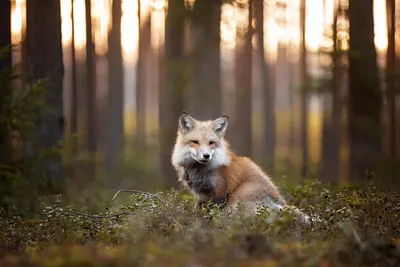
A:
[(207, 166)]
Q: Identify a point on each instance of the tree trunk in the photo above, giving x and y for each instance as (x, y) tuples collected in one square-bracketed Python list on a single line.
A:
[(141, 81), (331, 121), (115, 89), (45, 60), (5, 32), (391, 80), (171, 91), (205, 96), (243, 77), (304, 94), (268, 114), (74, 93), (364, 91), (5, 64), (90, 83)]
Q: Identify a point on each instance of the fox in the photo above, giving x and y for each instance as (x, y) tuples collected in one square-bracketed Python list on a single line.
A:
[(206, 165)]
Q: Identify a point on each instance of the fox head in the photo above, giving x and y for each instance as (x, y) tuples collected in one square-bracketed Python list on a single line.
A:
[(201, 141)]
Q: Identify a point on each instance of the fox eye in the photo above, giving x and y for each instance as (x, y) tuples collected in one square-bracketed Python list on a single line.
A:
[(195, 141), (212, 143)]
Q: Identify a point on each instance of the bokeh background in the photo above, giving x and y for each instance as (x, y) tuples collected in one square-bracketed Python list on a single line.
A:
[(280, 69)]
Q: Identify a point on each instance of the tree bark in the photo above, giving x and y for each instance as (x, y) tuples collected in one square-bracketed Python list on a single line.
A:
[(268, 115), (205, 96), (391, 79), (74, 92), (115, 89), (5, 32), (46, 61), (171, 92), (304, 94), (331, 121), (242, 139), (90, 83), (364, 91), (5, 64), (141, 81)]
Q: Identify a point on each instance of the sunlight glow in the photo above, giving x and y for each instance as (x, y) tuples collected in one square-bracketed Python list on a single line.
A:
[(159, 4), (281, 24), (314, 24), (271, 31), (241, 16), (79, 19), (343, 25), (18, 20), (101, 24), (292, 29), (158, 23), (228, 27), (293, 22), (145, 9), (129, 30), (380, 25), (66, 22), (329, 8)]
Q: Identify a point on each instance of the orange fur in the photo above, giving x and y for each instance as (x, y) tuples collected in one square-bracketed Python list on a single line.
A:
[(226, 175)]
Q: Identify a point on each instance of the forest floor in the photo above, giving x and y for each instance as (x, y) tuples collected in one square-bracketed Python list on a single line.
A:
[(360, 227)]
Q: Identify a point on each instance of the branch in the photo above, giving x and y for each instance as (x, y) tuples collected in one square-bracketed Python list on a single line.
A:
[(101, 216), (138, 192), (148, 195)]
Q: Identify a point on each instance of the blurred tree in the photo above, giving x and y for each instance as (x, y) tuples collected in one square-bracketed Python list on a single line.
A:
[(364, 91), (5, 32), (90, 83), (331, 121), (242, 137), (268, 114), (115, 89), (45, 60), (171, 87), (74, 93), (390, 109), (141, 80), (304, 94), (5, 64), (205, 95)]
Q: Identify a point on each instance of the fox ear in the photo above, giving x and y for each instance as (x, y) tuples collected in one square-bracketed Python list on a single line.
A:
[(220, 125), (186, 122)]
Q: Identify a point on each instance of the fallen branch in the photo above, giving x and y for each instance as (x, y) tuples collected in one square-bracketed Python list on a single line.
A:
[(101, 216), (150, 195)]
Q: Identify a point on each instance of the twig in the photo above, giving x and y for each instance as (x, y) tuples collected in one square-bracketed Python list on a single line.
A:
[(180, 225), (138, 192), (101, 216), (357, 238), (148, 195)]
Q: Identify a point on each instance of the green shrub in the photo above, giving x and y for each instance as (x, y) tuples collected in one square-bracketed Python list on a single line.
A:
[(359, 227), (21, 104)]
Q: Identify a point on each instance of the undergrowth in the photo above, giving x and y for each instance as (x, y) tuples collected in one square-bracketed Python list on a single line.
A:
[(359, 227)]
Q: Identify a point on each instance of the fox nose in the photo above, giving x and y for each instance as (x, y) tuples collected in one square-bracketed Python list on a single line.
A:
[(206, 155)]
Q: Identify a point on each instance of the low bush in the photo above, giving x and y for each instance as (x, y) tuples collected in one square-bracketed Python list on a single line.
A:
[(358, 227)]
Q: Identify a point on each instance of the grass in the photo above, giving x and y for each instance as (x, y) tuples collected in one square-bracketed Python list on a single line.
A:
[(361, 227)]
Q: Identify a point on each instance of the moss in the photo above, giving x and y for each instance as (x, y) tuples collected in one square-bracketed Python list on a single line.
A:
[(360, 228)]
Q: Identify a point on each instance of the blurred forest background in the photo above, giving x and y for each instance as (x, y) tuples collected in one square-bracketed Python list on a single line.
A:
[(311, 86)]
